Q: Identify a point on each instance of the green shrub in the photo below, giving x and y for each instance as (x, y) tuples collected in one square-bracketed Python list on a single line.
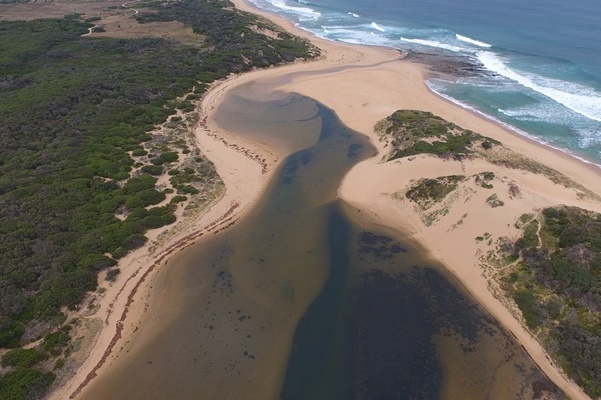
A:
[(139, 152), (55, 342), (134, 241), (119, 252), (494, 201), (528, 306), (139, 183), (427, 191), (187, 189), (530, 236), (165, 157), (59, 363), (25, 384), (152, 169), (120, 176), (487, 145), (111, 274), (23, 358), (10, 334), (178, 199)]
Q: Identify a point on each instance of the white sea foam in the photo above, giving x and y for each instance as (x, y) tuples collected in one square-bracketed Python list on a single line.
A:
[(581, 99), (377, 27), (303, 12), (352, 14), (588, 138), (587, 132), (434, 43), (528, 113), (548, 112), (472, 41), (519, 113), (509, 127), (355, 35)]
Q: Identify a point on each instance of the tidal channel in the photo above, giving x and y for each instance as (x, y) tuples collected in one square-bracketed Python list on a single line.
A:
[(303, 298)]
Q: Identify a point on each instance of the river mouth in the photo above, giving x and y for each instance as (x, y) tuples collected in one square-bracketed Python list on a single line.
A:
[(304, 299)]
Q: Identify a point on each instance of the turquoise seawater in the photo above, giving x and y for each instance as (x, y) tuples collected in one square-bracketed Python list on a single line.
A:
[(540, 59)]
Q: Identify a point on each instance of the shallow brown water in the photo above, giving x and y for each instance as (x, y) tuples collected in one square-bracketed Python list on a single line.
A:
[(303, 299)]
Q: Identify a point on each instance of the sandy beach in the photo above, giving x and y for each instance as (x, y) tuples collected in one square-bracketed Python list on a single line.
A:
[(368, 92), (363, 85)]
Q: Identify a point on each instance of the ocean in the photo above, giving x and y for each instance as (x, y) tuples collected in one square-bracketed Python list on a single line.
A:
[(539, 62)]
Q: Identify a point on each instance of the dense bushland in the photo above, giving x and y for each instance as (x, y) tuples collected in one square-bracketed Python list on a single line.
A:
[(411, 132), (557, 287), (71, 109)]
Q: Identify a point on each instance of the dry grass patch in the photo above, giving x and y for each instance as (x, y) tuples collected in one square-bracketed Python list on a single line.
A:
[(123, 26), (115, 21), (56, 9)]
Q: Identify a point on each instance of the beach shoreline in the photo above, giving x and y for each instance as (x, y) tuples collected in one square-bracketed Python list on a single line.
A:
[(362, 85)]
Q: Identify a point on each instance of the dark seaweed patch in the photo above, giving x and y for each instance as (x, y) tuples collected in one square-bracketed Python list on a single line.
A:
[(354, 149), (379, 246), (394, 318)]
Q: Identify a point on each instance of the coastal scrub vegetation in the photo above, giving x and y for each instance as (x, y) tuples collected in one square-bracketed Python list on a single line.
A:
[(428, 191), (236, 34), (556, 285), (483, 179), (432, 196), (78, 167), (410, 132)]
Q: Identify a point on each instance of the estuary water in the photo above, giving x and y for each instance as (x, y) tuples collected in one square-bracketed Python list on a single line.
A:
[(304, 299), (539, 60)]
